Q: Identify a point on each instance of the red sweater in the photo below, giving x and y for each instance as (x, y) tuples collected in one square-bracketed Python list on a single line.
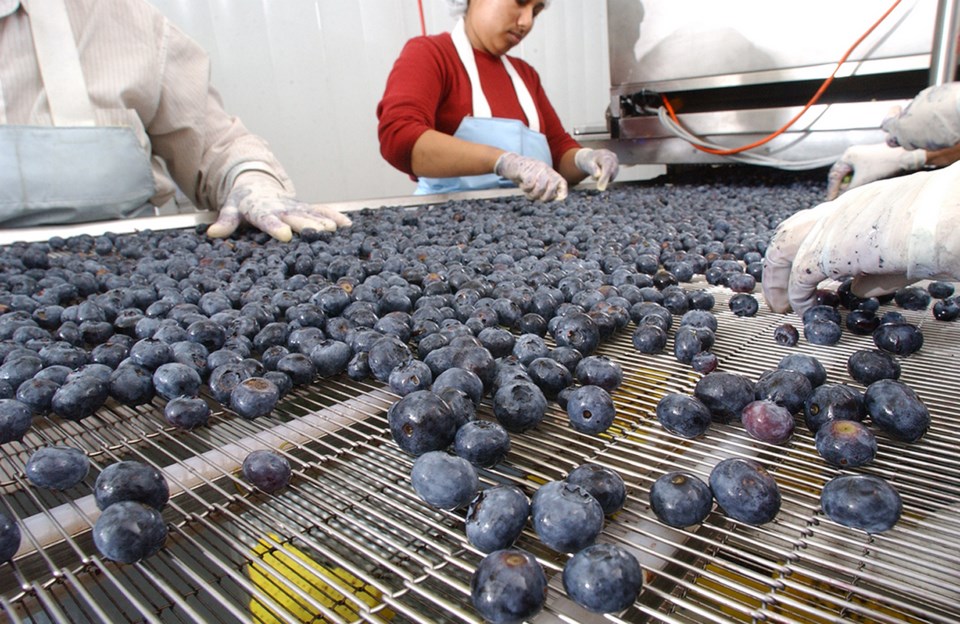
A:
[(428, 88)]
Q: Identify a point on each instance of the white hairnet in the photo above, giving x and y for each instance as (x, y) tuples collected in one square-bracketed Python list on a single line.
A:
[(459, 7)]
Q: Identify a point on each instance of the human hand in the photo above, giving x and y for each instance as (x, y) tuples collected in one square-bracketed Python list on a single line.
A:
[(930, 121), (886, 235), (601, 164), (871, 162), (536, 179), (259, 199)]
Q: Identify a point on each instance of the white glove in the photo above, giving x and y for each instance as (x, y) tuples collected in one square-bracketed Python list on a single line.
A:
[(930, 121), (262, 201), (886, 235), (871, 162), (602, 164), (536, 179)]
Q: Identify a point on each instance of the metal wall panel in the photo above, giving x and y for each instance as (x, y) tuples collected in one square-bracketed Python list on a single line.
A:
[(307, 76)]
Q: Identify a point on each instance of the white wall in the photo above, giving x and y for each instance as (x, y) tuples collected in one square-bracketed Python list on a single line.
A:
[(307, 76)]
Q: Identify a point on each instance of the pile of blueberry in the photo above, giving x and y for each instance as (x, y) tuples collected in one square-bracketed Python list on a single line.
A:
[(503, 301)]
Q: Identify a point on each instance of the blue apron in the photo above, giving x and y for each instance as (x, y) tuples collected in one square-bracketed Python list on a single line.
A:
[(511, 135), (73, 171)]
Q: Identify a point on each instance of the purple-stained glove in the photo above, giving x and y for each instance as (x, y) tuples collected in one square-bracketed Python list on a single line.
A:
[(536, 179), (886, 235), (261, 200), (930, 121), (601, 164), (868, 163)]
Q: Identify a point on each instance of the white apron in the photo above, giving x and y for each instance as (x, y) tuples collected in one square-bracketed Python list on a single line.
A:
[(511, 135), (73, 171)]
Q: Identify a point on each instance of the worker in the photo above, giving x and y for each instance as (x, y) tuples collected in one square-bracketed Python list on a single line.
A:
[(886, 234), (106, 109), (459, 114)]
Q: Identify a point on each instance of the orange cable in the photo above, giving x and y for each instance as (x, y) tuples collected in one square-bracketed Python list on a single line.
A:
[(813, 100), (423, 22)]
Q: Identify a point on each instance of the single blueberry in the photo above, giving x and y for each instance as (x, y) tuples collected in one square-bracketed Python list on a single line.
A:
[(421, 422), (565, 516), (267, 470), (131, 481), (57, 467), (519, 406), (846, 443), (745, 491), (768, 421), (10, 539), (603, 578), (496, 517), (603, 483), (186, 412), (129, 531), (832, 402), (680, 499), (683, 415), (508, 586), (895, 408), (254, 397), (482, 442), (862, 502), (724, 394), (590, 409), (444, 481)]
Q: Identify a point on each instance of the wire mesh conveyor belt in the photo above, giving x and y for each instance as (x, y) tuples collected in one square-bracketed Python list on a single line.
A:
[(349, 540)]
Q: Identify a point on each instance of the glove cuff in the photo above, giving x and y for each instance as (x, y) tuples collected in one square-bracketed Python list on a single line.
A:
[(583, 160), (500, 162), (913, 160)]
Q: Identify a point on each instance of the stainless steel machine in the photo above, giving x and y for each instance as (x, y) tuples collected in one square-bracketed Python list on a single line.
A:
[(736, 72)]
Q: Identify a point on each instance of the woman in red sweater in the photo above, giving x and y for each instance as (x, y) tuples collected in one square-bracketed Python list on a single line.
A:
[(459, 114)]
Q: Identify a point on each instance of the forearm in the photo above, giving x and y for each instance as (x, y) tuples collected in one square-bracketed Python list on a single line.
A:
[(439, 155), (943, 157), (568, 168)]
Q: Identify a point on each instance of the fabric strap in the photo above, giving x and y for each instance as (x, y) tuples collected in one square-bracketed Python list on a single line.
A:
[(59, 64)]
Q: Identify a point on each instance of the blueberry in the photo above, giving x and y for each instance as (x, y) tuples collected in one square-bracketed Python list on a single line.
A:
[(549, 375), (821, 313), (224, 378), (498, 341), (358, 368), (410, 377), (565, 516), (79, 397), (220, 357), (129, 531), (785, 387), (482, 442), (254, 397), (330, 357), (298, 367), (421, 422), (16, 370), (461, 379), (898, 338), (10, 538), (57, 467), (724, 394), (109, 354), (172, 380), (846, 443), (267, 470), (496, 517), (741, 282), (529, 347), (940, 290), (822, 332), (912, 298), (37, 394), (603, 484), (385, 355), (745, 491), (444, 481), (704, 362), (519, 406), (862, 502), (649, 339), (806, 364), (744, 304), (832, 402), (208, 333), (896, 409), (150, 353), (768, 421), (683, 415), (131, 481), (862, 322), (590, 409), (508, 586), (603, 578), (947, 309), (131, 384), (186, 412), (579, 331), (680, 499)]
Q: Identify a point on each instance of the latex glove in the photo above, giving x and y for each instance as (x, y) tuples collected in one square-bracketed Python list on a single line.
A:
[(886, 235), (930, 121), (261, 200), (871, 162), (601, 164), (536, 179)]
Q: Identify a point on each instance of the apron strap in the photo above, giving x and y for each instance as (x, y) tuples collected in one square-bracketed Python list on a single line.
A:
[(481, 107), (59, 63)]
